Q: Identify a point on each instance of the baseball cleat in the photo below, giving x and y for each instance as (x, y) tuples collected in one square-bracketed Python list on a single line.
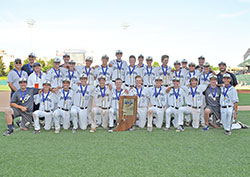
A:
[(227, 132), (18, 123), (165, 129), (36, 131), (110, 130), (132, 129), (73, 130), (8, 133), (92, 130), (149, 129), (57, 131), (206, 128), (180, 129)]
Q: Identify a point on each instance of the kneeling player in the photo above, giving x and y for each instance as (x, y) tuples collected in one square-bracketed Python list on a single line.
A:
[(82, 97), (102, 102), (65, 101), (175, 101), (158, 104), (46, 100)]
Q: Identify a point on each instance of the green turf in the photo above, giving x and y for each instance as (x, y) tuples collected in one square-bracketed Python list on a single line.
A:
[(244, 99), (138, 153)]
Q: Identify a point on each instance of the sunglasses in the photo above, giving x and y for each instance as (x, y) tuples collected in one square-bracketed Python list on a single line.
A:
[(18, 62)]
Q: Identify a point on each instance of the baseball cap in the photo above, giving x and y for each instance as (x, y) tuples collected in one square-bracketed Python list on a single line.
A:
[(101, 77), (32, 55), (177, 62), (158, 78), (22, 79), (46, 82), (226, 75), (140, 56), (184, 60), (89, 58), (66, 80), (17, 59), (118, 52), (194, 77), (105, 57), (149, 58), (176, 79), (213, 77), (84, 76), (66, 55), (201, 57), (36, 64), (206, 64), (191, 64), (72, 62), (57, 60), (222, 63)]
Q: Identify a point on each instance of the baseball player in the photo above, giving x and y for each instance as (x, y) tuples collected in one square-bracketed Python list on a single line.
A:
[(141, 65), (119, 67), (149, 73), (201, 61), (72, 74), (102, 102), (55, 75), (104, 70), (82, 100), (66, 58), (131, 71), (28, 68), (21, 104), (142, 101), (175, 99), (229, 104), (191, 73), (178, 72), (88, 70), (194, 99), (164, 71), (204, 80), (15, 75), (212, 98), (116, 93), (157, 104), (64, 101), (36, 78), (46, 99)]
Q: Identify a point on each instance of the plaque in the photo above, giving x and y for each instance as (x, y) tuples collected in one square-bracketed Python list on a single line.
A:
[(127, 112)]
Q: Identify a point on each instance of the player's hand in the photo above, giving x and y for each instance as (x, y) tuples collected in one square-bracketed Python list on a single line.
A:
[(213, 73), (235, 115), (110, 86), (110, 65), (40, 91), (24, 109), (78, 84), (126, 91)]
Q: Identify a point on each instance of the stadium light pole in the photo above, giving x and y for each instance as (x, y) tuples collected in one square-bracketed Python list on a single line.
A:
[(31, 23)]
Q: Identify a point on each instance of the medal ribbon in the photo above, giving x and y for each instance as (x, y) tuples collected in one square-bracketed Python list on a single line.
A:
[(104, 72), (65, 97), (57, 74), (214, 95), (119, 66), (139, 94), (86, 71), (225, 93), (149, 73), (44, 99), (130, 72), (164, 72), (103, 93), (20, 75), (177, 94), (70, 76), (178, 74), (193, 93), (118, 96), (23, 96), (83, 92), (157, 93), (205, 76)]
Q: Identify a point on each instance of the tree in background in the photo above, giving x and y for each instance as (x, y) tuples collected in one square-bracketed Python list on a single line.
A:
[(2, 67), (45, 66)]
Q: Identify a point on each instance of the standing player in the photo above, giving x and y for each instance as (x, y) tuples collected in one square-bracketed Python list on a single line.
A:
[(142, 101), (194, 99), (82, 100), (66, 59), (212, 98), (114, 110), (21, 104), (15, 75), (175, 99), (119, 66), (157, 104), (55, 75), (28, 68), (72, 74), (201, 61), (141, 65), (102, 102), (192, 73), (229, 104), (88, 70), (149, 73), (164, 71), (131, 72), (37, 77), (104, 70), (178, 73), (65, 101), (46, 100)]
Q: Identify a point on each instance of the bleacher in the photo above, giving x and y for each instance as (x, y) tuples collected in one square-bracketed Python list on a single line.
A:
[(243, 79)]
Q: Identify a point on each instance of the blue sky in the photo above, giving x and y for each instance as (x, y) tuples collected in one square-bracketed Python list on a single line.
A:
[(217, 29)]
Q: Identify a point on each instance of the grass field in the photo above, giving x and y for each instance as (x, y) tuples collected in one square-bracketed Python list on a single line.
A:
[(244, 99), (138, 153), (4, 88)]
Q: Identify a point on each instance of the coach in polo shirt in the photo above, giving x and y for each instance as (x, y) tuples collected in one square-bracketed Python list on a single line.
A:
[(29, 67)]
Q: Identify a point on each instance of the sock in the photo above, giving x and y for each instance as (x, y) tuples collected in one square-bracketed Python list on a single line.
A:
[(10, 127)]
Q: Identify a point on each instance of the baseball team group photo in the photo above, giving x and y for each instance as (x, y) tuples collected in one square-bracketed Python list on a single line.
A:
[(125, 88)]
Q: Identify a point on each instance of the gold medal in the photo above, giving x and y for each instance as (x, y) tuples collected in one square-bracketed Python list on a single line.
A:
[(102, 99), (177, 100), (224, 98), (139, 98), (214, 98), (149, 78), (43, 103), (57, 79), (165, 77), (130, 77), (193, 98), (64, 102), (22, 101), (82, 97), (155, 98)]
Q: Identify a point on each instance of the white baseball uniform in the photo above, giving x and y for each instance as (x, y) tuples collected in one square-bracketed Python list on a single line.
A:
[(114, 110), (88, 71), (228, 97), (130, 74), (102, 100), (141, 69), (35, 80), (105, 71), (193, 99), (166, 74), (181, 74), (46, 109), (55, 77), (175, 99), (73, 76), (142, 104), (191, 74), (158, 102), (65, 101), (149, 75), (82, 100), (119, 68)]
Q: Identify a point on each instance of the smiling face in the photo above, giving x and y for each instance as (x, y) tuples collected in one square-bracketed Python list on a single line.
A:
[(37, 69), (32, 59), (222, 67), (206, 69), (66, 85), (201, 61), (102, 82), (118, 83), (119, 56), (193, 82), (226, 80), (56, 65), (46, 87), (177, 67), (132, 61), (213, 82), (141, 59), (23, 85), (165, 62), (149, 62), (191, 68), (138, 81), (83, 80), (18, 65), (158, 83), (66, 59), (176, 83), (71, 66), (88, 63), (104, 61)]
